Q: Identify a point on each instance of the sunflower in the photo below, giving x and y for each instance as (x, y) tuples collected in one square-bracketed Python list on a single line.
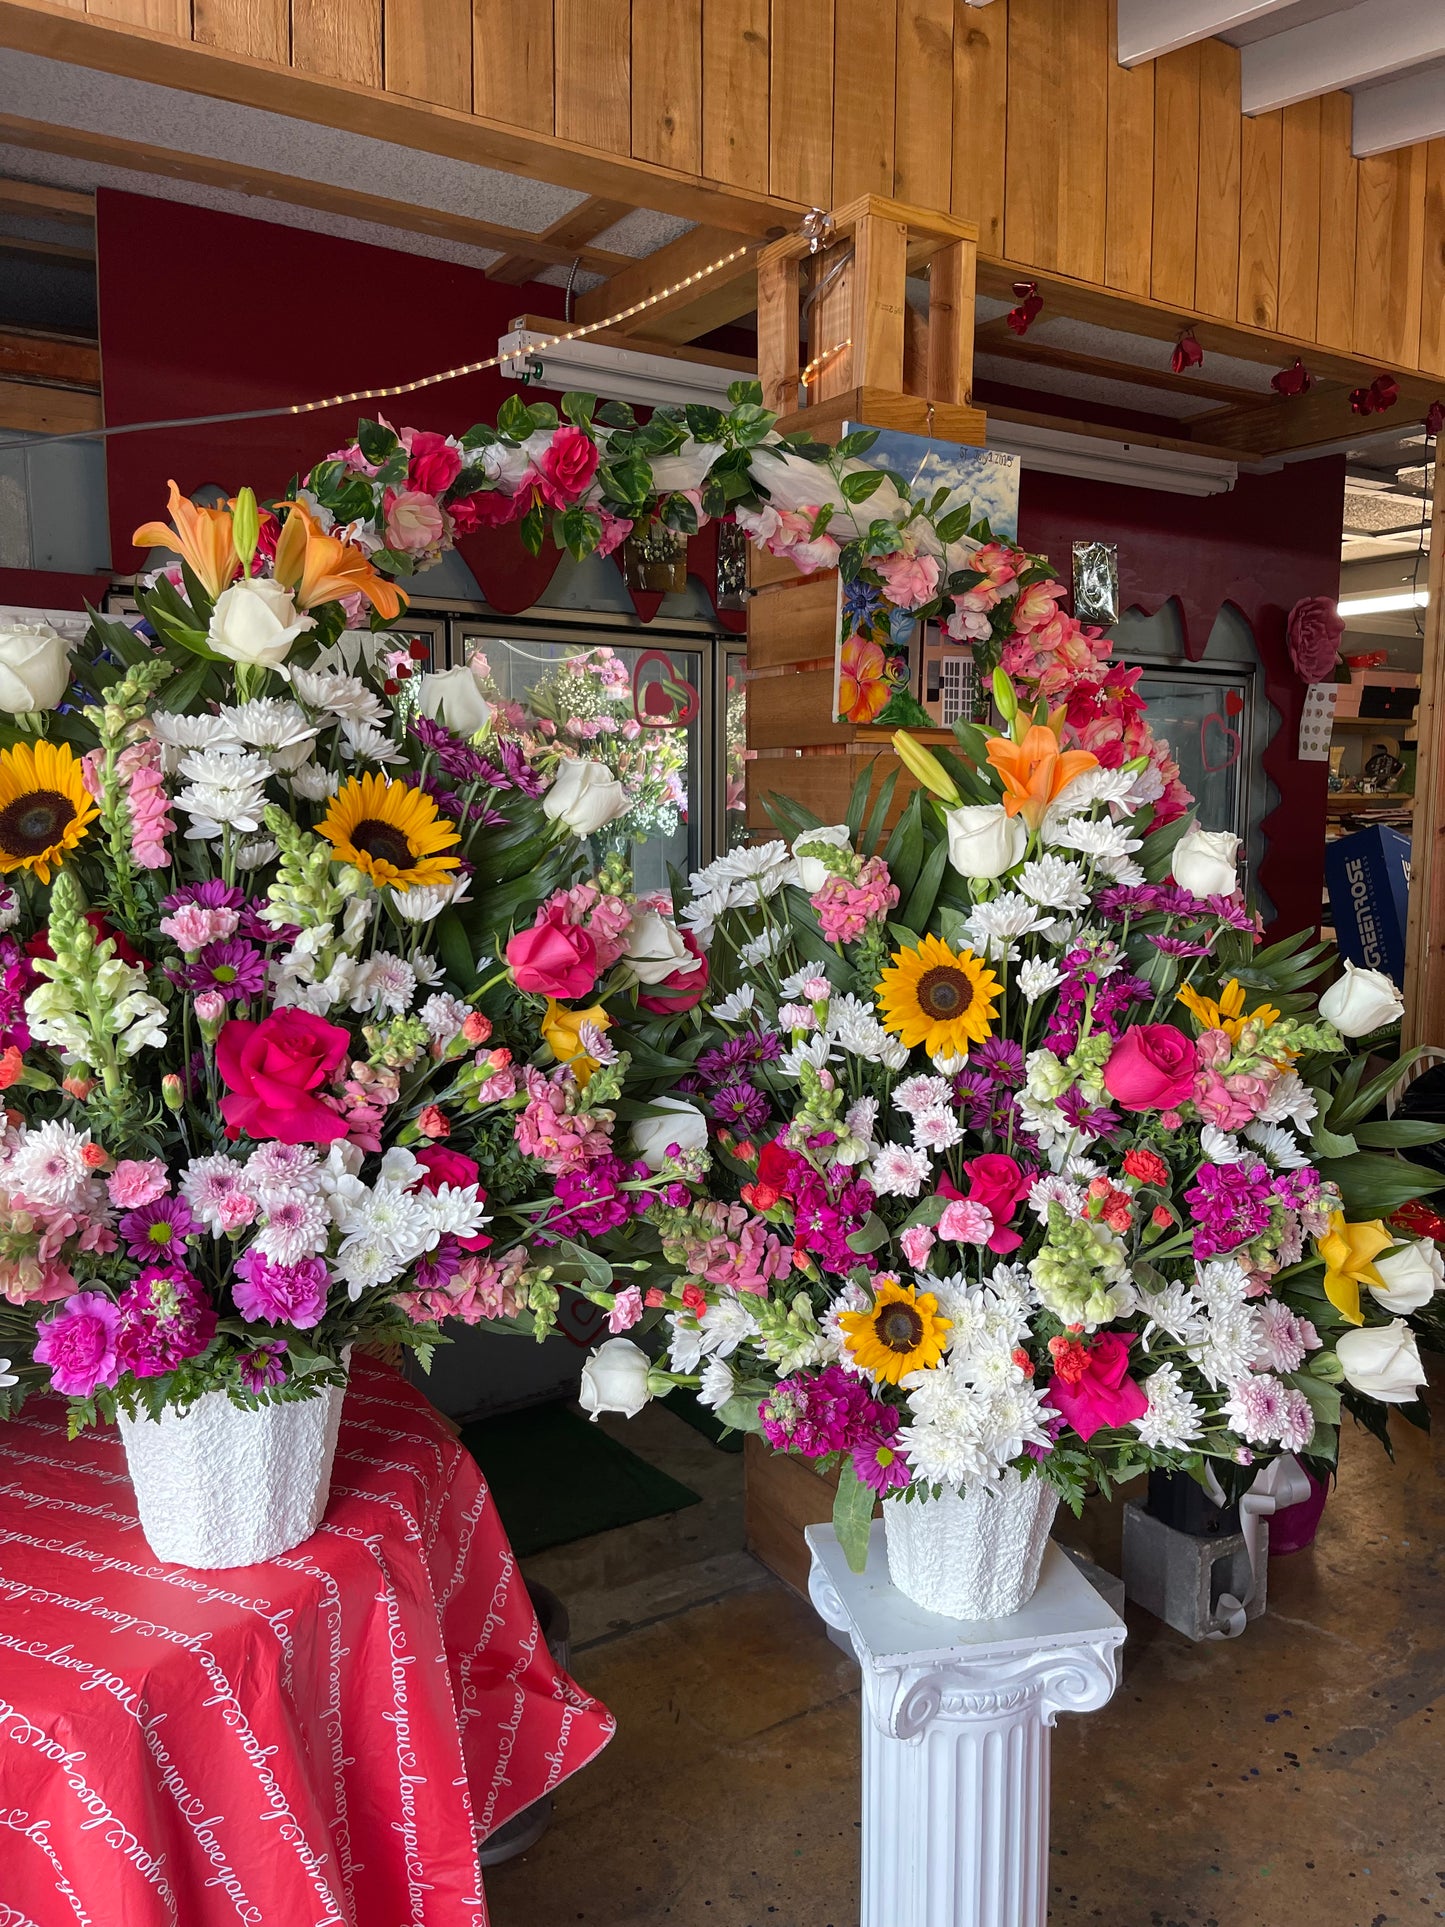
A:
[(390, 831), (902, 1333), (1226, 1013), (45, 808), (937, 997)]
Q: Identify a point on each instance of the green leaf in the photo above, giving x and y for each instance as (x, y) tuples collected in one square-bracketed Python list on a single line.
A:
[(375, 442), (1365, 1099), (862, 483), (953, 526), (1398, 1133), (856, 444), (853, 1516), (1331, 1144), (593, 1266), (869, 1236), (742, 394), (532, 526), (616, 414), (868, 843), (1324, 1399), (905, 851), (1157, 851), (514, 419), (919, 907), (581, 531), (740, 1413), (454, 945), (579, 408), (542, 415), (750, 423), (858, 803), (1373, 1184)]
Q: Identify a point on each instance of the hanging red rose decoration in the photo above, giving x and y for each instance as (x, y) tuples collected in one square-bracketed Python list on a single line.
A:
[(1187, 353), (1382, 393), (1315, 630), (1435, 418), (1290, 382), (1031, 306)]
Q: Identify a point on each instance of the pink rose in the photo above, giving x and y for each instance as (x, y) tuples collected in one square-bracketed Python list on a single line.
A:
[(997, 1183), (554, 958), (1104, 1395), (1151, 1068), (272, 1068), (434, 463), (413, 521), (917, 1241), (1316, 629), (678, 992), (908, 580), (567, 467)]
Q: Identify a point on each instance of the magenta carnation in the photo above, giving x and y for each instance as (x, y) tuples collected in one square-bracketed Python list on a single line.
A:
[(281, 1294), (79, 1344)]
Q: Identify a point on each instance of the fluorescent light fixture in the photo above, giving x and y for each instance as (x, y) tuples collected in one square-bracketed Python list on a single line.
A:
[(1127, 464), (1384, 605), (616, 374)]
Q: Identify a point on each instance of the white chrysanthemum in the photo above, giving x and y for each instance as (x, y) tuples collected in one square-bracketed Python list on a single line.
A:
[(850, 1298), (345, 697), (384, 982), (314, 782), (1096, 785), (759, 949), (275, 725), (211, 1187), (855, 1025), (900, 1171), (1036, 978), (1225, 1350), (861, 1119), (1219, 1147), (959, 1434), (818, 1051), (225, 789), (936, 1130), (47, 1164), (1055, 883), (1121, 869), (1222, 1283), (180, 733), (1098, 838), (1174, 1420), (917, 1094), (995, 927), (1175, 1311), (725, 1325), (685, 1345), (718, 1384), (421, 905), (366, 743), (1055, 1189), (400, 1217), (735, 1006), (255, 852), (443, 1016), (365, 1261), (1281, 1147), (296, 1227), (456, 1211), (1290, 1101)]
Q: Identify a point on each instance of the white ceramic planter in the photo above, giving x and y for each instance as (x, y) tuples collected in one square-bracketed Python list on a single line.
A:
[(221, 1486), (972, 1554)]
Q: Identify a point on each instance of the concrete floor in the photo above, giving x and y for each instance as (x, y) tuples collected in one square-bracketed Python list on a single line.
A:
[(1292, 1778)]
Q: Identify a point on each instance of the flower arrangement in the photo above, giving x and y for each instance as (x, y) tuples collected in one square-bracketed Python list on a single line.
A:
[(305, 996), (1027, 1158)]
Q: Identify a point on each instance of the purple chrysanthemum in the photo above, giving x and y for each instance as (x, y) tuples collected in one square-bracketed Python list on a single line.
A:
[(1002, 1058), (159, 1230), (740, 1105), (263, 1366), (236, 969), (213, 894)]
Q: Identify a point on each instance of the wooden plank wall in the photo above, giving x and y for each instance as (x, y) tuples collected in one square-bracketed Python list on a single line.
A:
[(1149, 182)]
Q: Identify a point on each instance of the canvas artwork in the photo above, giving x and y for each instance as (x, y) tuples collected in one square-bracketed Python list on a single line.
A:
[(878, 658)]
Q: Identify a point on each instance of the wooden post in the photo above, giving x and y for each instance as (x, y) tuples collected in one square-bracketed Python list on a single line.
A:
[(1425, 935), (778, 330)]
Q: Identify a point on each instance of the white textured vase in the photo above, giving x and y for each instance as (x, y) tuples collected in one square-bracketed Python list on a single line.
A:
[(972, 1554), (217, 1485)]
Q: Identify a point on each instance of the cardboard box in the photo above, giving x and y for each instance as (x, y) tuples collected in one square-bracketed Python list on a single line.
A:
[(1368, 879)]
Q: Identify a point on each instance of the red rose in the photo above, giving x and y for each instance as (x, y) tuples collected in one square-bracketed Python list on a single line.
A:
[(554, 958), (568, 467), (1150, 1068), (434, 464), (997, 1183), (272, 1068), (1316, 629), (39, 944), (489, 508), (450, 1167), (679, 992), (1102, 1394), (776, 1165)]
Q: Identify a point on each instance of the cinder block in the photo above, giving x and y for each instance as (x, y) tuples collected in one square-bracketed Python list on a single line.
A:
[(1180, 1577), (1109, 1589)]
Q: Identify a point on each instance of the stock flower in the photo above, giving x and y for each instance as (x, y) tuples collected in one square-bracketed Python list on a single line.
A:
[(391, 832), (902, 1331), (45, 808), (936, 997), (1035, 771), (203, 538)]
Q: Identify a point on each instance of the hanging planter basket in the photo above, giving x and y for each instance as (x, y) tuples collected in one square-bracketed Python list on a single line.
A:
[(656, 560)]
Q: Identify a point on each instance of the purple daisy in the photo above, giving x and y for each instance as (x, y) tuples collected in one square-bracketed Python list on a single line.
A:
[(1088, 1119), (235, 969), (1180, 947), (159, 1230), (880, 1464), (254, 928), (213, 894), (1002, 1058), (740, 1105), (262, 1366), (454, 757)]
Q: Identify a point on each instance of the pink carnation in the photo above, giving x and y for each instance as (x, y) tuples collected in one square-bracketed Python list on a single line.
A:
[(193, 926), (917, 1241), (626, 1310), (136, 1181), (969, 1223)]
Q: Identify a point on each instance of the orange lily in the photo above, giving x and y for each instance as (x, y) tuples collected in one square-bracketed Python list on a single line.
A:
[(203, 537), (1035, 771), (323, 568)]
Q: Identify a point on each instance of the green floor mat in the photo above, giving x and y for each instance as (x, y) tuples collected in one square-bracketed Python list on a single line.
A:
[(556, 1477), (685, 1405)]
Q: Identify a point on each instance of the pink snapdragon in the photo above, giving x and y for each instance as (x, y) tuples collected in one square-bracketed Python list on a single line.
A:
[(548, 1129), (139, 767), (846, 906)]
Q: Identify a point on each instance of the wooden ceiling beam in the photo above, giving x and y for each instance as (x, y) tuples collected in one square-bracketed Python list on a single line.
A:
[(38, 357), (693, 311), (259, 183), (1106, 431), (47, 203), (1284, 424), (574, 230), (641, 344), (44, 250), (997, 338), (32, 408), (59, 32)]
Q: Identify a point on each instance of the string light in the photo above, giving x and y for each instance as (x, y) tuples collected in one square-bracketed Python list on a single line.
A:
[(398, 388), (820, 361)]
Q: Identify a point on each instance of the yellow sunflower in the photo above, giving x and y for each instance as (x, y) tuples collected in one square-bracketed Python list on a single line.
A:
[(902, 1333), (1226, 1012), (390, 831), (937, 997), (45, 808)]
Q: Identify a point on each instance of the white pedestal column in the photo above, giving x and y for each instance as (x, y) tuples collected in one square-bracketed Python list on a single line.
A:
[(956, 1731)]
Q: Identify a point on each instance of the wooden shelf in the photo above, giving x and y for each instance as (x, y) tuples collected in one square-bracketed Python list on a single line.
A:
[(1357, 805), (1377, 725)]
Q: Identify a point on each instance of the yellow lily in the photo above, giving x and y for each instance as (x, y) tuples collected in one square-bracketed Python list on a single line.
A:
[(323, 568), (1349, 1252), (1036, 770), (562, 1032), (925, 766), (203, 538)]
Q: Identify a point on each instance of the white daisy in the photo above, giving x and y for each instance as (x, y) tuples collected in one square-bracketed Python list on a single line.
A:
[(735, 1006), (1219, 1147), (1280, 1146)]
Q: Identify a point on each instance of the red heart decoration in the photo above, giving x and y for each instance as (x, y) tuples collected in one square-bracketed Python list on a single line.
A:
[(671, 702), (1233, 703), (1231, 738)]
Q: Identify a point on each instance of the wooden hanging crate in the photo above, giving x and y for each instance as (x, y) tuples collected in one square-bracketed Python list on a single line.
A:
[(860, 330)]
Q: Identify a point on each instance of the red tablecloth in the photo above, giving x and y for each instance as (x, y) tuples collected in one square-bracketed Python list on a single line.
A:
[(309, 1741)]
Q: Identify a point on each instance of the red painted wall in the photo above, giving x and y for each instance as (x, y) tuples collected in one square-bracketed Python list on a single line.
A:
[(1270, 541)]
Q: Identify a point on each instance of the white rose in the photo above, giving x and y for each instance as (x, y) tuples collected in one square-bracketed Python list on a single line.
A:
[(1412, 1276), (684, 1125), (34, 666), (1360, 1002), (256, 621), (811, 875), (584, 796), (655, 949), (506, 466), (452, 697), (1205, 862), (1383, 1362), (984, 840), (614, 1379)]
